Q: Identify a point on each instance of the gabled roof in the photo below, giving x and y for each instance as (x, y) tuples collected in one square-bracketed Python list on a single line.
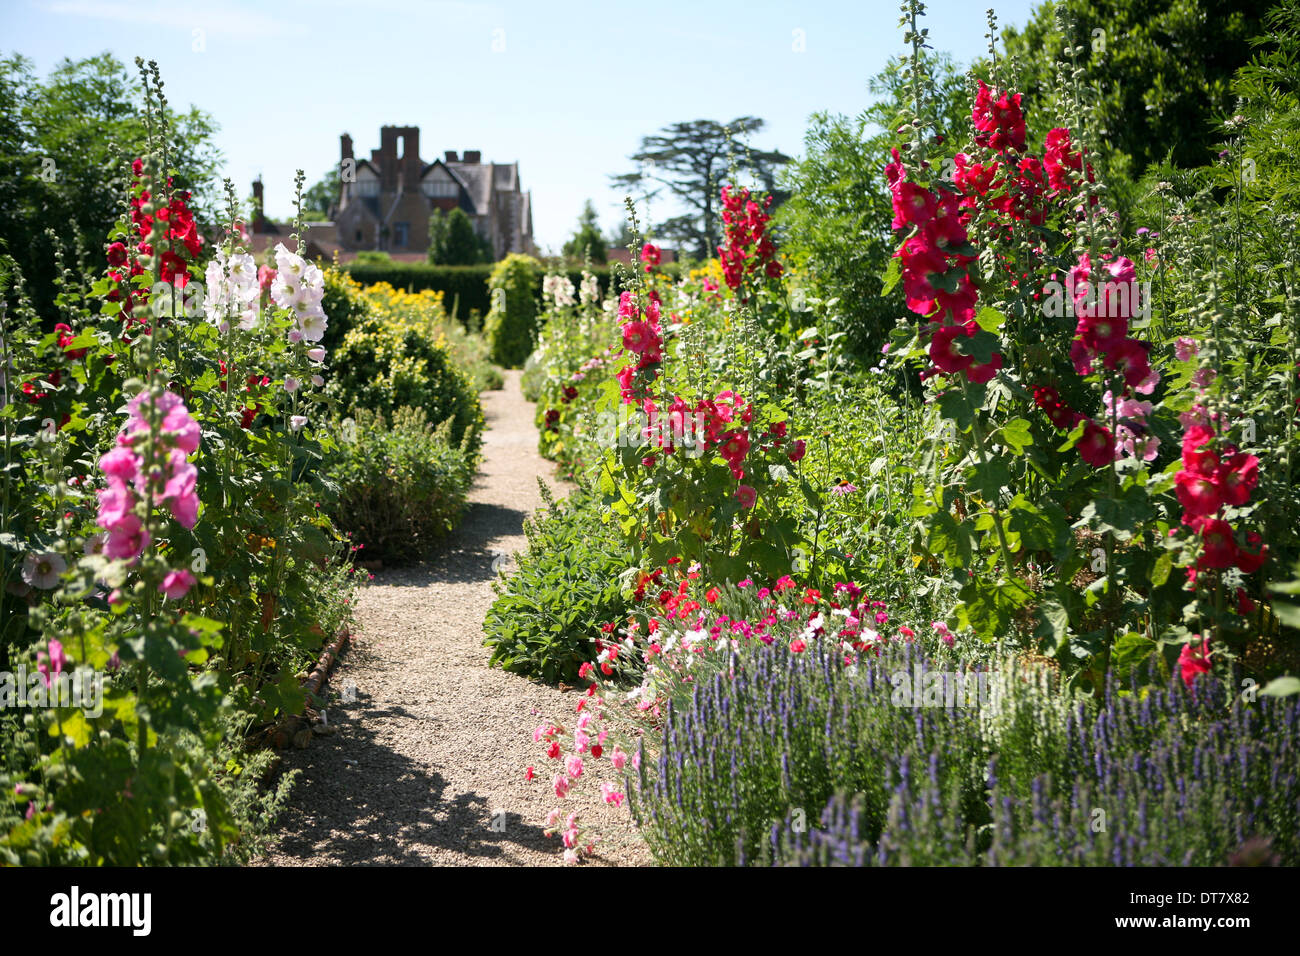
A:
[(477, 180)]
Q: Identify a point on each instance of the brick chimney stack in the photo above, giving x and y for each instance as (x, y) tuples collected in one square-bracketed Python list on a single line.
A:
[(411, 163), (259, 220), (472, 155), (451, 156), (345, 146), (388, 159)]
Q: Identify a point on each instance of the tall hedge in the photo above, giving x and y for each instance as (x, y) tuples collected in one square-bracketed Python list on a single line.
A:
[(511, 325), (465, 287)]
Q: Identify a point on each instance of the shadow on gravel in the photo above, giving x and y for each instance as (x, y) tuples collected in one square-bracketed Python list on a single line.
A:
[(386, 810), (466, 556)]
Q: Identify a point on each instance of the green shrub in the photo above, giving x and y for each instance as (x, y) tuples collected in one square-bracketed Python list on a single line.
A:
[(512, 322), (392, 360), (566, 587), (343, 304), (401, 488)]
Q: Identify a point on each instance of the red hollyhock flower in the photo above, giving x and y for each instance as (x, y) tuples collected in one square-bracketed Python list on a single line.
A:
[(1238, 476), (1250, 561), (979, 374), (1199, 495), (1097, 446), (1130, 359), (117, 255), (1194, 659), (1219, 545), (943, 351)]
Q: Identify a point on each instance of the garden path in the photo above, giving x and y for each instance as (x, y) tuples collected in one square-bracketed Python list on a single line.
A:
[(436, 742)]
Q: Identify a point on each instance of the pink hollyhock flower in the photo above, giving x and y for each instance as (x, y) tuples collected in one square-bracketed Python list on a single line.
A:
[(650, 255), (747, 496), (1185, 349), (176, 584), (120, 464), (127, 538), (1204, 378), (1194, 661), (52, 664)]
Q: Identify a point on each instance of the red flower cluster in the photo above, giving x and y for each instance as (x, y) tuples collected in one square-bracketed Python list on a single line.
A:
[(1000, 122), (643, 336), (931, 269), (176, 223), (1061, 415), (650, 255), (746, 245), (1208, 481), (1059, 156)]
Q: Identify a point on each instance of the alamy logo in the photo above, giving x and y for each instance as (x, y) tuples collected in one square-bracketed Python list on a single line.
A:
[(632, 428), (919, 688), (83, 688), (102, 909)]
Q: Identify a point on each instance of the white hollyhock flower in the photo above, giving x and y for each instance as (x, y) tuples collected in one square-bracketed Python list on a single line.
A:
[(316, 355), (312, 325), (318, 381), (43, 570), (297, 421), (291, 384), (285, 290), (288, 263)]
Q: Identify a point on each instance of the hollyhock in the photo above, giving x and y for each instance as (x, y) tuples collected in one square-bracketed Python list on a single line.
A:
[(1251, 559), (798, 448), (943, 349), (1237, 477), (1194, 661), (1198, 494), (1129, 358), (1058, 158), (747, 496), (176, 584), (1219, 545), (52, 664), (998, 119), (1185, 349), (650, 255), (1097, 445), (43, 570)]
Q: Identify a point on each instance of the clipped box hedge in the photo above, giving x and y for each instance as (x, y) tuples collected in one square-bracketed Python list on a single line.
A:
[(465, 287)]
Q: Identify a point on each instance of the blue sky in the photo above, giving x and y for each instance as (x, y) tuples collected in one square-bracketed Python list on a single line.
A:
[(565, 88)]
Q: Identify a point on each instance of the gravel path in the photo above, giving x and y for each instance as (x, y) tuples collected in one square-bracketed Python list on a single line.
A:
[(436, 743)]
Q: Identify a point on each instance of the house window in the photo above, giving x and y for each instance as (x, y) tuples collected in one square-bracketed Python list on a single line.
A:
[(440, 190), (368, 187), (401, 231), (359, 236)]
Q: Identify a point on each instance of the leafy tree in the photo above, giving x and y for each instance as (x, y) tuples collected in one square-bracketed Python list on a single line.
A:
[(835, 228), (321, 197), (588, 240), (453, 241), (67, 143), (1163, 69), (693, 161)]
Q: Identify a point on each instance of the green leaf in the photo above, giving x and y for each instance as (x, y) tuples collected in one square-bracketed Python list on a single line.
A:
[(1282, 687), (990, 320), (893, 272), (1016, 435)]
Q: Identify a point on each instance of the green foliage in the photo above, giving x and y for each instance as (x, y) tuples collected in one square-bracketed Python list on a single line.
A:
[(1164, 70), (66, 143), (565, 589), (402, 483), (453, 241), (396, 359), (835, 226), (691, 161), (960, 767), (588, 242), (512, 322)]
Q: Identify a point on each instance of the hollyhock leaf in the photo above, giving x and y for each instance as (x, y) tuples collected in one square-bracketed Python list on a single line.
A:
[(1130, 650), (1288, 614), (990, 320), (1161, 570), (949, 281), (1281, 687), (1016, 434), (954, 405), (1053, 621), (893, 272), (980, 347)]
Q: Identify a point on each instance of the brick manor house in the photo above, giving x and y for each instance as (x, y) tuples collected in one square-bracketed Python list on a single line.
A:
[(385, 202)]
